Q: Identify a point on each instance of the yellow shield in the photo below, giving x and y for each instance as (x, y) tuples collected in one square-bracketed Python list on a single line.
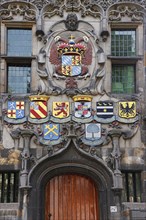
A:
[(127, 109), (60, 109)]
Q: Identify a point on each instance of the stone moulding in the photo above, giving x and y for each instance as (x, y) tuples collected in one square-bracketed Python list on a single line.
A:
[(131, 10), (26, 10), (86, 6)]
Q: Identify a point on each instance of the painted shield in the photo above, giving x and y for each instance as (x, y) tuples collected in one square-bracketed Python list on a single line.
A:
[(71, 65), (38, 109), (82, 109), (15, 109), (104, 109), (127, 109), (61, 109), (93, 131), (51, 131)]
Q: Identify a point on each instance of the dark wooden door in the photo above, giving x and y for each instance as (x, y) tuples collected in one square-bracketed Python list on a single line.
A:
[(71, 197)]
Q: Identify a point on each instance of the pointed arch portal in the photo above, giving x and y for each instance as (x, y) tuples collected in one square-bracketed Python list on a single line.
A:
[(70, 186)]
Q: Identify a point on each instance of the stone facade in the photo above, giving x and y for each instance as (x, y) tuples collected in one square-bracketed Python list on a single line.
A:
[(60, 28)]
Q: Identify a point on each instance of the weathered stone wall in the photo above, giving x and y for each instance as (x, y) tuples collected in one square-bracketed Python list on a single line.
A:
[(122, 145)]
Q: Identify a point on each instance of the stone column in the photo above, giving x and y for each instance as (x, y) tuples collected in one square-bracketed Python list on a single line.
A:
[(118, 185), (24, 185)]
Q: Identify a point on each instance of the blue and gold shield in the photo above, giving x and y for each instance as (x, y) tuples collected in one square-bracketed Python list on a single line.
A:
[(51, 131), (15, 109), (71, 65)]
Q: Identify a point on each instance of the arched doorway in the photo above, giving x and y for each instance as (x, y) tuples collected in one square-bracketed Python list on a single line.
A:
[(72, 166), (71, 197)]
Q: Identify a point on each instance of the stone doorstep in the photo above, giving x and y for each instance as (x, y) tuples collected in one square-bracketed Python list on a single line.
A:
[(134, 206), (138, 214)]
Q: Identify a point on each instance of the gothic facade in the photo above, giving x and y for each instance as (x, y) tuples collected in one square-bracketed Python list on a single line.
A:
[(72, 119)]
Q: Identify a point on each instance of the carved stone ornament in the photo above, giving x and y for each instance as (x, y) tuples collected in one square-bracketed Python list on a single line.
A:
[(131, 11), (71, 22), (66, 64), (87, 7), (26, 10)]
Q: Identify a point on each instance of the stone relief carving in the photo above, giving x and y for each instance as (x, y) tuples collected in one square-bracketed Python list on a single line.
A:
[(55, 78), (86, 6), (27, 11), (71, 22), (131, 11)]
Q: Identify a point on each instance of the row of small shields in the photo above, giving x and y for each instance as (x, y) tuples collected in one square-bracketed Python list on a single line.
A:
[(52, 134), (82, 109)]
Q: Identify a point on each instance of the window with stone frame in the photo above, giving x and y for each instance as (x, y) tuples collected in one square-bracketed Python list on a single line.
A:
[(132, 186), (9, 185), (123, 52), (19, 51)]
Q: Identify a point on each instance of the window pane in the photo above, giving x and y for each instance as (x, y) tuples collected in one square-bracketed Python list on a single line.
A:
[(131, 187), (123, 79), (19, 42), (9, 187), (138, 187), (123, 43), (19, 78)]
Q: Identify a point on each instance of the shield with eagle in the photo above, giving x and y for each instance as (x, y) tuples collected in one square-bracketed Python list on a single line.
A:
[(127, 109)]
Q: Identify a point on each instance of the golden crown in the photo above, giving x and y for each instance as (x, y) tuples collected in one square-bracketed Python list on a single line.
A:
[(71, 47)]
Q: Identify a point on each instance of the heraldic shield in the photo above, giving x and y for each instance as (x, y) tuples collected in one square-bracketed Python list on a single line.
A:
[(104, 109), (82, 106), (38, 107), (127, 109), (71, 65), (51, 131), (61, 109), (93, 131), (15, 109)]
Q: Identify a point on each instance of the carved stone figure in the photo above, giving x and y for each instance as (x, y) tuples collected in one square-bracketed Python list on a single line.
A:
[(71, 22)]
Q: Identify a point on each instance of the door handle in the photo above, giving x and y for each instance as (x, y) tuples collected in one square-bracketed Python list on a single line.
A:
[(49, 216)]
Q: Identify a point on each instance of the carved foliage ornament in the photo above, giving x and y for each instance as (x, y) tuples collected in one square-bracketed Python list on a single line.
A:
[(57, 7), (86, 6), (8, 11), (126, 10)]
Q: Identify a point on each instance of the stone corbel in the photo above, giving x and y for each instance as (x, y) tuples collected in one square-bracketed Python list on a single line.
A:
[(104, 29), (15, 134), (39, 28)]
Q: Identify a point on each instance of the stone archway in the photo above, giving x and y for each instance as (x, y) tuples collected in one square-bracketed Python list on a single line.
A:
[(69, 162)]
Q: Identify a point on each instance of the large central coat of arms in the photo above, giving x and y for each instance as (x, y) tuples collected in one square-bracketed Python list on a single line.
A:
[(71, 57), (71, 61)]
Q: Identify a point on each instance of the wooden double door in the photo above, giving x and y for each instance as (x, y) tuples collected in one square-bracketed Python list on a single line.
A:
[(71, 197)]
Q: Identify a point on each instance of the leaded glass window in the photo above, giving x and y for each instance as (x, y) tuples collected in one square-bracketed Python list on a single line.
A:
[(9, 184), (123, 79), (123, 43), (19, 42), (19, 78), (132, 186)]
